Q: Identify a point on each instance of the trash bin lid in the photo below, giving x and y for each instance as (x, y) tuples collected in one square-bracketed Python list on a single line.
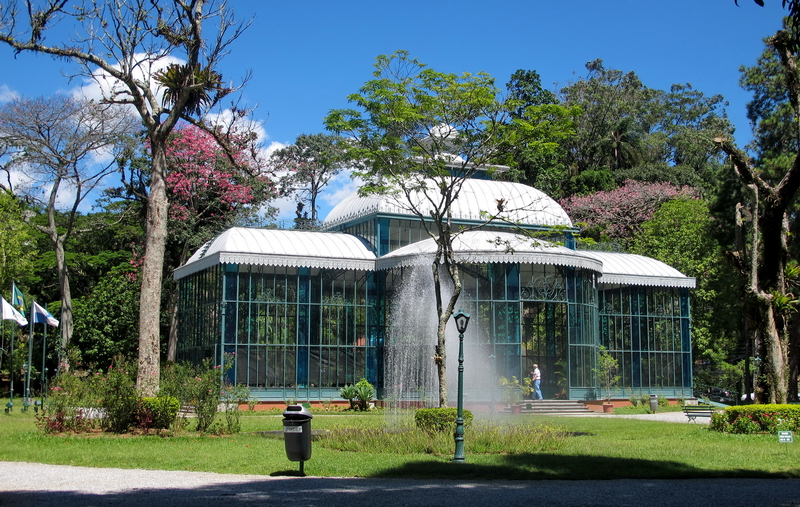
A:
[(297, 413)]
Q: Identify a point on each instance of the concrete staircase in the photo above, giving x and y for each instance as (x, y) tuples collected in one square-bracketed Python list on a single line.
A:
[(551, 407)]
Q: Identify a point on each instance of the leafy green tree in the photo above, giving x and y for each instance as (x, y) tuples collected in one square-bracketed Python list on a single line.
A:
[(419, 135), (680, 234), (628, 131), (310, 162), (539, 163), (16, 249), (763, 219), (107, 320), (121, 43), (57, 139)]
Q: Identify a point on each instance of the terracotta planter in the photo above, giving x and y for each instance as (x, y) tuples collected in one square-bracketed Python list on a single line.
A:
[(608, 408)]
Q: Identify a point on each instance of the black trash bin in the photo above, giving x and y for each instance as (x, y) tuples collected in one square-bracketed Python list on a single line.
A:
[(297, 433)]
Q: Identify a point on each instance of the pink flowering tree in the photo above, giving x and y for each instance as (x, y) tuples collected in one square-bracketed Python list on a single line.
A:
[(208, 194), (618, 215)]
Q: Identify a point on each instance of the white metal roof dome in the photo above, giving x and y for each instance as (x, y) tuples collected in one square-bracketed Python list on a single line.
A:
[(523, 205), (478, 247), (277, 247)]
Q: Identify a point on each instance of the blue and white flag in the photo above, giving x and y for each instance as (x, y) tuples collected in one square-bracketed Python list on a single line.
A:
[(11, 313), (42, 316)]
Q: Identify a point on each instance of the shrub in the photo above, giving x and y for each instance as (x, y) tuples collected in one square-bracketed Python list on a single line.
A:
[(117, 396), (757, 419), (65, 407), (159, 412), (349, 393), (439, 419), (359, 395), (364, 392), (206, 391), (232, 397)]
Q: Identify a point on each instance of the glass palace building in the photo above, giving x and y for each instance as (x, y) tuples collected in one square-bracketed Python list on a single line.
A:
[(303, 313)]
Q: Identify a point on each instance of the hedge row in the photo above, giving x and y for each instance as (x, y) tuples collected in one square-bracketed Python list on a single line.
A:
[(757, 419), (439, 419)]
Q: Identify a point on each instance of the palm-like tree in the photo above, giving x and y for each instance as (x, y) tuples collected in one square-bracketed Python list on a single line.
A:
[(201, 83)]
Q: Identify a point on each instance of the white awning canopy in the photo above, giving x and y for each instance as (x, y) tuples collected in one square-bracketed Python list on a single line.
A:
[(277, 247), (307, 249), (632, 269), (480, 247)]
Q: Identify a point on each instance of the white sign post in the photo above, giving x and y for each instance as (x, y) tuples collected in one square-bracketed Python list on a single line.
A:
[(785, 437)]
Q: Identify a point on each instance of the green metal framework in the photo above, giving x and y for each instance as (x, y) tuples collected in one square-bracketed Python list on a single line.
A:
[(294, 333), (647, 329)]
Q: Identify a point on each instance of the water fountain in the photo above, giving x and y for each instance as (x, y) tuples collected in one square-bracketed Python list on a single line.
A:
[(411, 379)]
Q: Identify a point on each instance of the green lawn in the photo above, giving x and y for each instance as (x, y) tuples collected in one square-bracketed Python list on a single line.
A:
[(600, 448)]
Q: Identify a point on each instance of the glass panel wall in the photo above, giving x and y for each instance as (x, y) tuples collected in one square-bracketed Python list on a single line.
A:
[(294, 333), (646, 329), (199, 315)]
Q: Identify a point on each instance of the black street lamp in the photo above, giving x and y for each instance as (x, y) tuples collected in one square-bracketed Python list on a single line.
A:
[(462, 319)]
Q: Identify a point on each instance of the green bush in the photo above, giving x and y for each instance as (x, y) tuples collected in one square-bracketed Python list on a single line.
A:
[(66, 406), (359, 395), (117, 396), (232, 397), (757, 419), (439, 419), (206, 391), (159, 412), (349, 393), (364, 392)]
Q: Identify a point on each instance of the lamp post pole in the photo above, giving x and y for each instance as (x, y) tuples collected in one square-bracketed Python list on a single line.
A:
[(462, 319)]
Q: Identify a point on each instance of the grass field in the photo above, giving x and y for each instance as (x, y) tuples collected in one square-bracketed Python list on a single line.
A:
[(598, 448)]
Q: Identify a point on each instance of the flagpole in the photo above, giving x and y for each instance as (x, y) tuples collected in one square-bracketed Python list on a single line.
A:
[(44, 350), (11, 370), (31, 329)]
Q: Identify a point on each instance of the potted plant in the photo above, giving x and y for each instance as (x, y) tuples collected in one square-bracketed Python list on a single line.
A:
[(606, 371), (513, 392)]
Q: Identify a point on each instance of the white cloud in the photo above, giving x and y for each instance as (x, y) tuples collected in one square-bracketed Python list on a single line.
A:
[(103, 86), (340, 187), (24, 182), (273, 147), (7, 94)]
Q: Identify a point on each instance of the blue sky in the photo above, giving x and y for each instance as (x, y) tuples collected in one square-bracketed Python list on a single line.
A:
[(306, 57)]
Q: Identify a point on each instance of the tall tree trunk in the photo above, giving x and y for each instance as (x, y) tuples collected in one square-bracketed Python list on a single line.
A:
[(152, 273), (440, 356), (66, 321), (794, 352), (172, 342), (776, 355)]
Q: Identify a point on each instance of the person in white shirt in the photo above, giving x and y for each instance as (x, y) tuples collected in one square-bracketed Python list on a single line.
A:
[(536, 376)]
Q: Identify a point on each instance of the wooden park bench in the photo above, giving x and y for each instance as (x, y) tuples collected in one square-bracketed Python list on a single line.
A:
[(695, 411)]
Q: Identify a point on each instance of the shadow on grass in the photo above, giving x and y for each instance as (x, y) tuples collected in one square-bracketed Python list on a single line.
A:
[(556, 466)]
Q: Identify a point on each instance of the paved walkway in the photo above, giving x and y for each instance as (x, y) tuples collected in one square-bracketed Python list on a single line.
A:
[(31, 484), (676, 417)]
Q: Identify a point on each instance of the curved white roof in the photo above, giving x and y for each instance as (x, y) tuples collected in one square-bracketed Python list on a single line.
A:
[(276, 247), (523, 205), (484, 246), (632, 269)]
